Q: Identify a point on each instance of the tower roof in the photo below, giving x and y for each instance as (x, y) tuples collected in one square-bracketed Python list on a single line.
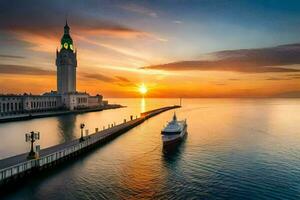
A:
[(66, 40)]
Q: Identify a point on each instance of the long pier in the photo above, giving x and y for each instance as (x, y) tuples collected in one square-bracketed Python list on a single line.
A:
[(17, 167)]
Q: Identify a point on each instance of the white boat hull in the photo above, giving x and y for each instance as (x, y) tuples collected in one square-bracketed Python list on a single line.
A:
[(173, 139)]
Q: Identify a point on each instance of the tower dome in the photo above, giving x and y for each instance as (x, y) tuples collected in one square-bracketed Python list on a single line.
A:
[(66, 40)]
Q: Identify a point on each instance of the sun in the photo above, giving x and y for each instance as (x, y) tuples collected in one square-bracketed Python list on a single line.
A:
[(143, 89)]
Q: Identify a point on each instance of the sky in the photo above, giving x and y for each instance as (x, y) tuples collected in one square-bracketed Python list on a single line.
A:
[(176, 48)]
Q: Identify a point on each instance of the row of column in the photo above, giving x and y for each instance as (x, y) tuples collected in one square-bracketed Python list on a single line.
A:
[(11, 107), (42, 104)]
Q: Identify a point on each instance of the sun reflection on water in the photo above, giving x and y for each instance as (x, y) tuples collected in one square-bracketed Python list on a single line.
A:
[(143, 105)]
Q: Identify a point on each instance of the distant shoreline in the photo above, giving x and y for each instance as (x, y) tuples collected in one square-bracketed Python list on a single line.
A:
[(28, 116)]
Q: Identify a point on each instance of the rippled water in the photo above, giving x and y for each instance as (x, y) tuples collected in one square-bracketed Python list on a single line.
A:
[(235, 149)]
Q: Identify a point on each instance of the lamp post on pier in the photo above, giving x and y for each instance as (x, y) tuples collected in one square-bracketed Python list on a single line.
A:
[(32, 137), (82, 125)]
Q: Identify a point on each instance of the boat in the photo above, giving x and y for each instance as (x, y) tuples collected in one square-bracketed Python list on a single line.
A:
[(174, 132)]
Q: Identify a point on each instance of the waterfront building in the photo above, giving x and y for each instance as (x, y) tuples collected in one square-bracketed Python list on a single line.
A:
[(66, 97)]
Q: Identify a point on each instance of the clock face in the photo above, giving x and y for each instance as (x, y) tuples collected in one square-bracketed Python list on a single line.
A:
[(66, 45), (71, 46)]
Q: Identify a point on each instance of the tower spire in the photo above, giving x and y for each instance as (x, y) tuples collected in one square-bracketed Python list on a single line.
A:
[(67, 28), (66, 21)]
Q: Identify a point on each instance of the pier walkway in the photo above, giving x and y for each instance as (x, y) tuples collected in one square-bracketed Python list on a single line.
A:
[(18, 166)]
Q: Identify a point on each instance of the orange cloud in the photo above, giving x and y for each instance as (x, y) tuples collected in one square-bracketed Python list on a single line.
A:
[(39, 42), (24, 70)]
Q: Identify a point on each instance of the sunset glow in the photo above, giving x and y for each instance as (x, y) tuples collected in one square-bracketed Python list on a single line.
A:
[(172, 99), (143, 89)]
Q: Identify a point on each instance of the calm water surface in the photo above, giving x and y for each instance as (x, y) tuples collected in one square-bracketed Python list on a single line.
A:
[(235, 149)]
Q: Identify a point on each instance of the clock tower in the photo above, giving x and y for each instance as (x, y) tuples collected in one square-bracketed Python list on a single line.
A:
[(66, 63)]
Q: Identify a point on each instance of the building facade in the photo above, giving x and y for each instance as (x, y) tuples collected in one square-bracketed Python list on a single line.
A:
[(11, 104), (41, 102), (95, 101), (17, 104), (75, 101)]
